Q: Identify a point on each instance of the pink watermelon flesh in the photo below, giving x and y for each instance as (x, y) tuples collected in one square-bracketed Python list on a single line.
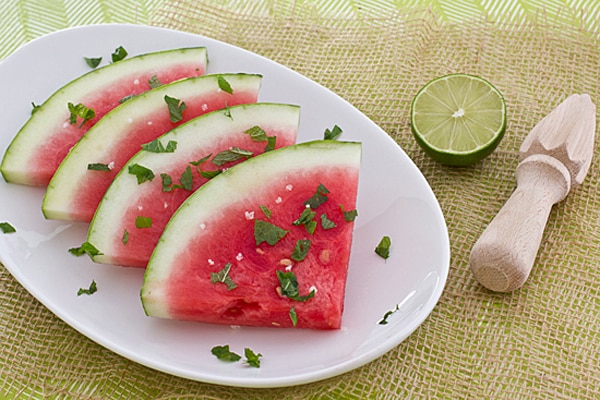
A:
[(50, 153), (160, 205), (255, 301), (89, 195)]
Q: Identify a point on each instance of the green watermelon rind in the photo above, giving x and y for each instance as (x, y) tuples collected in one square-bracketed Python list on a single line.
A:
[(52, 111), (231, 186), (97, 141), (194, 134)]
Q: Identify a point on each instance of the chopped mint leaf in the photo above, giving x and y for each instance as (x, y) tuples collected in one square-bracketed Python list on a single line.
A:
[(205, 174), (125, 237), (384, 320), (267, 232), (227, 112), (266, 211), (93, 62), (306, 216), (307, 219), (311, 226), (176, 108), (224, 354), (171, 146), (252, 358), (235, 153), (6, 227), (349, 216), (383, 248), (142, 173), (85, 248), (119, 54), (223, 277), (154, 82), (326, 223), (271, 141), (98, 167), (289, 287), (200, 161), (34, 107), (143, 222), (257, 134), (301, 250), (167, 182), (210, 174), (318, 198), (224, 85), (124, 99), (186, 181), (294, 316), (156, 146), (333, 134), (80, 111), (91, 290)]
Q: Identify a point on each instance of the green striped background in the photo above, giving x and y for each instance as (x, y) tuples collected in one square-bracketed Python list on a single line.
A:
[(24, 20)]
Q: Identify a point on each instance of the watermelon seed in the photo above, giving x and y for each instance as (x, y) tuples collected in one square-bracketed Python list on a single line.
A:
[(260, 251), (285, 261), (211, 262), (289, 187), (278, 200), (203, 226), (239, 257), (293, 316), (324, 257), (136, 82), (249, 215)]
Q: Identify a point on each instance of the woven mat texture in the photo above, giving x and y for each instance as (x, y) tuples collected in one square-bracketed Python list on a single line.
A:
[(539, 342)]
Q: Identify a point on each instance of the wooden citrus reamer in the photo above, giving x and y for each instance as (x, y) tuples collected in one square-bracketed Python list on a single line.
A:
[(554, 158)]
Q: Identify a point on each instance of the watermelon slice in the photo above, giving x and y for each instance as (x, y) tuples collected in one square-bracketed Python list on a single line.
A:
[(45, 139), (212, 265), (75, 191), (113, 230)]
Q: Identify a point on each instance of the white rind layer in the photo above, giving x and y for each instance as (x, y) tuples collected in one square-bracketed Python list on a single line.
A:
[(99, 141), (51, 114), (235, 185), (198, 133)]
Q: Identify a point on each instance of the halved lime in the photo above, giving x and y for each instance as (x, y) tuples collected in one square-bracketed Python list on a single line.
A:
[(458, 119)]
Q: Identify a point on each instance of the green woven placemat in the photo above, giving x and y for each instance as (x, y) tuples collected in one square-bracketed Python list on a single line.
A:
[(538, 342)]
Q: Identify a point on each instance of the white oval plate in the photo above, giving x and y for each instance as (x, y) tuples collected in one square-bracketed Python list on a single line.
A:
[(394, 199)]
